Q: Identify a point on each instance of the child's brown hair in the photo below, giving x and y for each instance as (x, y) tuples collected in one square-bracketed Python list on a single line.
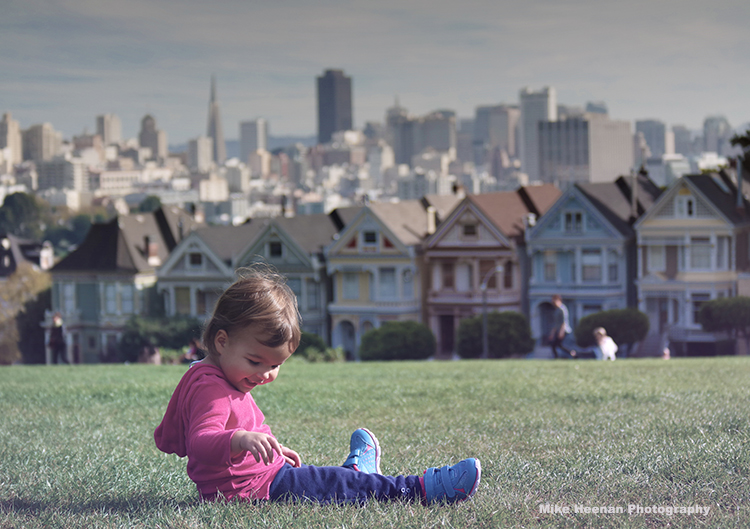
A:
[(260, 297)]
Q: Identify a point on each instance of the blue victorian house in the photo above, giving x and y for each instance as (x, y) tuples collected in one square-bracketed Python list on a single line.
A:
[(584, 248)]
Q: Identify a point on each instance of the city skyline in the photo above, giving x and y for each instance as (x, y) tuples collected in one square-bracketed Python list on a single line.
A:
[(677, 62)]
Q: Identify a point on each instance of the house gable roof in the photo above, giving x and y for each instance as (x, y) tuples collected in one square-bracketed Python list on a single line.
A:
[(509, 209), (713, 190), (613, 200), (120, 244), (302, 235), (372, 217), (549, 226), (467, 207)]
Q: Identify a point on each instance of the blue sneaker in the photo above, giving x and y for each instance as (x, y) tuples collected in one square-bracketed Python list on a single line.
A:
[(452, 484), (364, 452)]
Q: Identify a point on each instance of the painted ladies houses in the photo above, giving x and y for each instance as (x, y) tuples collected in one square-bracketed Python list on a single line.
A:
[(375, 270), (110, 277), (693, 245), (205, 264), (295, 247), (201, 267), (478, 249), (584, 250)]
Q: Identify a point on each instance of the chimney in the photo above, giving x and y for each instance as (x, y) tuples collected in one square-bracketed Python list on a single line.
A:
[(152, 251), (431, 220)]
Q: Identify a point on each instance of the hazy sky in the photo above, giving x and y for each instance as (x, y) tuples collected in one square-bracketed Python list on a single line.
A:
[(65, 61)]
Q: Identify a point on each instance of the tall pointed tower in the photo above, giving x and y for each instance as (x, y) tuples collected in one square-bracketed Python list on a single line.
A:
[(215, 132)]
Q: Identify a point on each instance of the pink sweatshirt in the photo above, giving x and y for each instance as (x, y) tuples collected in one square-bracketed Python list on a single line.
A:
[(204, 412)]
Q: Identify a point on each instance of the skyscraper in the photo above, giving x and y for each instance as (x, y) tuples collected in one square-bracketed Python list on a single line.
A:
[(10, 136), (41, 142), (153, 138), (716, 134), (109, 128), (215, 132), (656, 135), (683, 140), (253, 137), (494, 126), (200, 151), (591, 148), (535, 107), (334, 104)]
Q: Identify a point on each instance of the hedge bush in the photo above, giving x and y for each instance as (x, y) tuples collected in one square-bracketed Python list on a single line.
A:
[(169, 333), (314, 349), (398, 340), (508, 333)]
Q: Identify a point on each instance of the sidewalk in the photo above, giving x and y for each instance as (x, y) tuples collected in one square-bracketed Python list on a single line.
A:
[(540, 352)]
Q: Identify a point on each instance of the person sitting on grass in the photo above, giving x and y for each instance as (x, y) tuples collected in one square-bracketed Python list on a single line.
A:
[(605, 348), (214, 421)]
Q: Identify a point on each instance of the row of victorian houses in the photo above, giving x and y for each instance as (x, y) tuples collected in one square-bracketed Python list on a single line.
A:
[(601, 246)]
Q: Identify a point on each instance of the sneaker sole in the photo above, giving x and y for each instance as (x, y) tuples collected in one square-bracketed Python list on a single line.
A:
[(478, 466), (377, 449)]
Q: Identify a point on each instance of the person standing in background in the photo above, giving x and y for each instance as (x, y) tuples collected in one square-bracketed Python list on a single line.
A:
[(57, 343), (560, 326)]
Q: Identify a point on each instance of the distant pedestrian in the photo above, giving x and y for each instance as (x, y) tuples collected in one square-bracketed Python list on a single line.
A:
[(57, 343), (560, 326)]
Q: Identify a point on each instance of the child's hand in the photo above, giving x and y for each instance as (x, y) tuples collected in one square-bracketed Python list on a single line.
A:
[(261, 445), (291, 457)]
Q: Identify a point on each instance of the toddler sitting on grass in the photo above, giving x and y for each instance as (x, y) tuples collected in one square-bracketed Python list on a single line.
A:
[(214, 421)]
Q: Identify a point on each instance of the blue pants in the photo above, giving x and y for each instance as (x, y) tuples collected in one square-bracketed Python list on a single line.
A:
[(341, 485)]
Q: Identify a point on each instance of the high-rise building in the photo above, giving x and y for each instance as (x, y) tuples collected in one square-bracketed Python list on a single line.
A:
[(63, 172), (253, 137), (716, 135), (683, 140), (535, 107), (10, 137), (334, 104), (495, 127), (592, 148), (437, 131), (659, 139), (215, 131), (41, 142), (153, 138), (597, 107), (200, 154), (109, 128)]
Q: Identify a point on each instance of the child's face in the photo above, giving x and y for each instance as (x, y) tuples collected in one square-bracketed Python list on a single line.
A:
[(245, 361)]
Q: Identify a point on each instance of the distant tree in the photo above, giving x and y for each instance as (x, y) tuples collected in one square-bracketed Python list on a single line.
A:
[(727, 314), (508, 333), (149, 204), (22, 215), (625, 326), (743, 140), (67, 234), (398, 340), (22, 286)]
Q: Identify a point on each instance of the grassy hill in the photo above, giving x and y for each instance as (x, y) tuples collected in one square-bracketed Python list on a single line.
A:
[(77, 450)]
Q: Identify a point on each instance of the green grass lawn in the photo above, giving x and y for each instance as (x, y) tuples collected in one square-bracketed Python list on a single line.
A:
[(77, 450)]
